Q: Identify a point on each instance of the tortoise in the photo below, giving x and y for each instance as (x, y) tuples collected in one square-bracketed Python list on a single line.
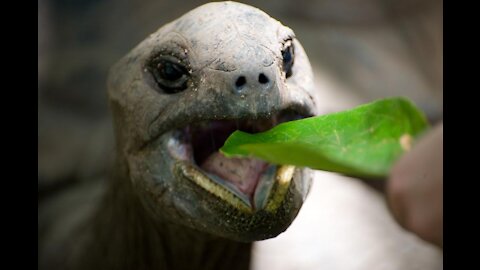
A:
[(173, 201)]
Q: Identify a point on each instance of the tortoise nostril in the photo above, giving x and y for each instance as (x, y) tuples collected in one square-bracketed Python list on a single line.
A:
[(241, 81), (263, 79)]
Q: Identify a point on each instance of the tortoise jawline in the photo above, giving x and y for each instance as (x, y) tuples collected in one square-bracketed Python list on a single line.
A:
[(269, 194)]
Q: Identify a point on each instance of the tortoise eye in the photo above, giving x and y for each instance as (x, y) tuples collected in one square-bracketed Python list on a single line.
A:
[(288, 58), (170, 77), (170, 71)]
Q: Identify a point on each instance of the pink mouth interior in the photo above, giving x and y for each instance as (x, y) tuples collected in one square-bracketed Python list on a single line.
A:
[(243, 173), (207, 138)]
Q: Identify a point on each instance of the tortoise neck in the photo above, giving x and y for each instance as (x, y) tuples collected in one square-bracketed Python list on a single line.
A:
[(126, 236)]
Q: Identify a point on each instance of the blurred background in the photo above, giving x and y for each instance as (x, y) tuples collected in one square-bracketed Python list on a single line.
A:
[(360, 50)]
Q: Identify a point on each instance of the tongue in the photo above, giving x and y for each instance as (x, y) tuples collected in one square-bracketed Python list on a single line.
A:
[(244, 173)]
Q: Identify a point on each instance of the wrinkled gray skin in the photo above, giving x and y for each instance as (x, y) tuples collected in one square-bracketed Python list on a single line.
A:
[(150, 216)]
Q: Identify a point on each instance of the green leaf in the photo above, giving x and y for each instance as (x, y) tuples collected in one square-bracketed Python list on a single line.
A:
[(362, 142)]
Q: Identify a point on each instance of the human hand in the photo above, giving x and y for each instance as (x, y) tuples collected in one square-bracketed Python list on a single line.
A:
[(415, 188)]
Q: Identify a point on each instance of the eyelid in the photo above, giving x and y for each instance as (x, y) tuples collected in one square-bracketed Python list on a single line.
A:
[(173, 52), (287, 43), (171, 57)]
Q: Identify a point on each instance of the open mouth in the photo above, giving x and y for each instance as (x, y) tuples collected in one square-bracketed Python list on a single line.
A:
[(246, 183)]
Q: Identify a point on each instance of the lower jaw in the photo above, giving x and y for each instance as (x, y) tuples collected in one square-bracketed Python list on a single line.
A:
[(268, 195)]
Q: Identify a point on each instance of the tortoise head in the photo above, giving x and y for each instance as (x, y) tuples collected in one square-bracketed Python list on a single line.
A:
[(181, 92)]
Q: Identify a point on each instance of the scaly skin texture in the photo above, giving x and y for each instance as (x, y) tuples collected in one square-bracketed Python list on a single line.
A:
[(153, 216)]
